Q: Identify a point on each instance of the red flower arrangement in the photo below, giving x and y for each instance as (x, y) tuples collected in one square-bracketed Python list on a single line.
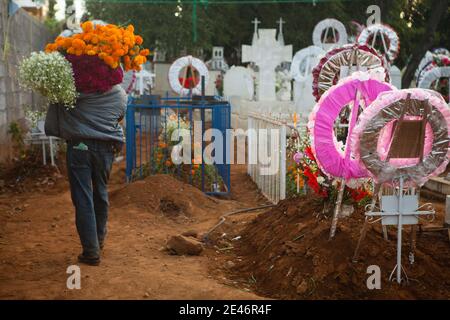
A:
[(309, 153), (313, 184), (359, 194), (92, 75)]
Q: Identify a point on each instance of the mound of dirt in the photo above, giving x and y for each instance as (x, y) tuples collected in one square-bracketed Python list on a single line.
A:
[(164, 194), (285, 253)]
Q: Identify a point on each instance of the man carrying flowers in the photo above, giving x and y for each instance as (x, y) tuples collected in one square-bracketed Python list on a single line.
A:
[(91, 128)]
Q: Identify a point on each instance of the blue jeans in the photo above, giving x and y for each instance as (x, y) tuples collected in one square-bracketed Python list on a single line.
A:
[(88, 170)]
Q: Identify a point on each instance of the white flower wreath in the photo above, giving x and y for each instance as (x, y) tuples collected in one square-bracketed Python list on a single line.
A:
[(391, 49), (174, 74)]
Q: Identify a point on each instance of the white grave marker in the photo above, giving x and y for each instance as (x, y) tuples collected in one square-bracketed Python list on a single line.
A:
[(396, 77), (255, 33), (280, 37), (301, 71), (238, 81), (267, 54)]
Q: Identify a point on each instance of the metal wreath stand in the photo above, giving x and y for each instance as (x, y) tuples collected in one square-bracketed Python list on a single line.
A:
[(399, 201)]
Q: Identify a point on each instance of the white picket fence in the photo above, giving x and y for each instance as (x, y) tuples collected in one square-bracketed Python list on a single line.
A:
[(272, 185), (269, 177)]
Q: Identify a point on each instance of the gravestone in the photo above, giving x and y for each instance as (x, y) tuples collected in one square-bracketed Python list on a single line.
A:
[(301, 71), (280, 37), (396, 77), (255, 33), (162, 85), (210, 89), (267, 54), (238, 81), (217, 61)]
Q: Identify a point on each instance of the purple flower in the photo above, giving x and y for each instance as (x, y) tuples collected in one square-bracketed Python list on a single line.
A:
[(298, 157)]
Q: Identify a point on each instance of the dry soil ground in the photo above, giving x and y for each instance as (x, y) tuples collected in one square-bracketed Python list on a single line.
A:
[(38, 241)]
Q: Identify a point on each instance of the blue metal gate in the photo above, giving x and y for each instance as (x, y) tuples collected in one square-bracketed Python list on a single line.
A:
[(150, 120)]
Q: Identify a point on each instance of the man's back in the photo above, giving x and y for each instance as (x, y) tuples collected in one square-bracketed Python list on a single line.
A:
[(95, 116)]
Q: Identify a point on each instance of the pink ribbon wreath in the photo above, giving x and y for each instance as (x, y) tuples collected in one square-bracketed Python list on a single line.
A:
[(372, 136), (332, 160)]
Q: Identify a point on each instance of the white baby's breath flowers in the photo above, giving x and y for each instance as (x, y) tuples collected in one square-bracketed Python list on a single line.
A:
[(51, 75)]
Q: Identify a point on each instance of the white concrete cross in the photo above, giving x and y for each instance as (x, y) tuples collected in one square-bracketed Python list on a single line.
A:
[(267, 54), (255, 33), (280, 38)]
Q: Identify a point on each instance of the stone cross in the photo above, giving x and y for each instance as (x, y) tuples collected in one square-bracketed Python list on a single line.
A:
[(280, 38), (267, 54), (255, 33)]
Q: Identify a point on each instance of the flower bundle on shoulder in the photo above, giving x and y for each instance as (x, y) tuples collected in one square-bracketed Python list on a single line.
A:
[(99, 52), (51, 75), (86, 62), (112, 44)]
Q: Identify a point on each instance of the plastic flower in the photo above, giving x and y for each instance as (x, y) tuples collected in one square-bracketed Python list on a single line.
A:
[(298, 157)]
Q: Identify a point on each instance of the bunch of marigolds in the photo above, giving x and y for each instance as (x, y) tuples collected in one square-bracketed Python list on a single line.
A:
[(113, 44)]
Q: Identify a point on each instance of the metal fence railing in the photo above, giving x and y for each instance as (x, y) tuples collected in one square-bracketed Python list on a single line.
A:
[(270, 176), (150, 125), (273, 184)]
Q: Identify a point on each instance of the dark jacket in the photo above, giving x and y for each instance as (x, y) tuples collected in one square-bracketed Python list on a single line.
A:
[(95, 116)]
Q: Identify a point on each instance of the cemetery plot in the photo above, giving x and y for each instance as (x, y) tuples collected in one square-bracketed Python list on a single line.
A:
[(285, 253)]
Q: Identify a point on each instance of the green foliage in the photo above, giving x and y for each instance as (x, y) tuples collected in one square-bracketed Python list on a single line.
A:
[(53, 25)]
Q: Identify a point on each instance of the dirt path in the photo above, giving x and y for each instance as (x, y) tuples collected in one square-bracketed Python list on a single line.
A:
[(38, 241)]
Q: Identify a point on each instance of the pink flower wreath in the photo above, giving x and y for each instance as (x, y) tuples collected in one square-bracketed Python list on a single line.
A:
[(331, 159), (375, 127)]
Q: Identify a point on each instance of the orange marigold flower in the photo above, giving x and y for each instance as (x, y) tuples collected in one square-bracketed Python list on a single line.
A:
[(127, 40), (87, 26), (87, 37), (138, 60), (119, 52), (113, 44), (144, 52), (60, 42), (78, 44), (109, 60), (116, 46), (139, 40), (67, 42)]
